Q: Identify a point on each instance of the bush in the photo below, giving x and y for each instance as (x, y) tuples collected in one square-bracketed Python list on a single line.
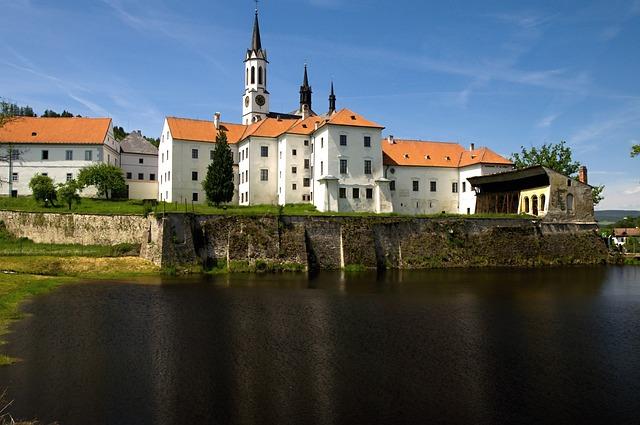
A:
[(43, 189), (107, 179), (68, 192)]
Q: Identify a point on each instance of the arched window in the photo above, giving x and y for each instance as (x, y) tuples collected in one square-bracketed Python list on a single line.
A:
[(526, 205), (247, 83), (253, 75), (569, 203), (534, 205), (265, 76), (260, 75), (543, 199)]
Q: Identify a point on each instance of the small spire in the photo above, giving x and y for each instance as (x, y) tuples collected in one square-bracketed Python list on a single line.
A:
[(305, 91), (305, 81), (332, 100), (256, 43)]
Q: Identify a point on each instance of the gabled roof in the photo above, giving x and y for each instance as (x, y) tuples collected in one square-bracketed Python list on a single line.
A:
[(202, 130), (86, 131), (350, 118), (135, 143), (306, 126), (436, 154), (269, 127)]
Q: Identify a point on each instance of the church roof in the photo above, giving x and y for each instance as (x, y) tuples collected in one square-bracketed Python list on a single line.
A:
[(350, 118), (436, 154), (269, 127), (306, 126), (86, 131), (256, 42), (136, 143), (202, 130)]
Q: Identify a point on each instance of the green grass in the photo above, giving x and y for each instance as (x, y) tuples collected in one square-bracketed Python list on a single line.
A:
[(27, 247)]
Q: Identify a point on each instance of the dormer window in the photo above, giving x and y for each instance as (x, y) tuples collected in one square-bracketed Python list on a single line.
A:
[(427, 157), (353, 117), (406, 156), (34, 134), (448, 158)]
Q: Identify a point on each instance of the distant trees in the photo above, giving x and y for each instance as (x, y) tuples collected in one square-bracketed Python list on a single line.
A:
[(107, 179), (119, 133), (43, 189), (13, 110), (218, 184), (635, 150), (556, 156), (68, 192), (53, 114)]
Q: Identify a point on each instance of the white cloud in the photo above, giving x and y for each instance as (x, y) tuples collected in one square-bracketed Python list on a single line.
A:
[(607, 125), (547, 121)]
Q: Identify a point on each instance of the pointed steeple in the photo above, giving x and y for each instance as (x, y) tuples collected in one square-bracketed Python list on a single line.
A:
[(332, 101), (305, 92), (256, 43)]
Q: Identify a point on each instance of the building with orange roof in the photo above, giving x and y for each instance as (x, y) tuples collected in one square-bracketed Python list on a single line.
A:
[(57, 147)]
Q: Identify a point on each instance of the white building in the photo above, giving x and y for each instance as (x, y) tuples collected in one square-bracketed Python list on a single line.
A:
[(57, 147), (333, 160), (139, 163)]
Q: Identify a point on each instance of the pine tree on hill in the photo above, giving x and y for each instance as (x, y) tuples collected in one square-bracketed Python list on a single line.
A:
[(218, 184)]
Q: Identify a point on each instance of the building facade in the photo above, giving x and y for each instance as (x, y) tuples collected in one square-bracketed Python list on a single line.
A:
[(56, 147), (139, 163)]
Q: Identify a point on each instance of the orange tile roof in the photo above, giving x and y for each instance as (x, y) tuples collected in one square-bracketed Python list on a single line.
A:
[(307, 126), (350, 118), (202, 130), (269, 127), (89, 131), (436, 154)]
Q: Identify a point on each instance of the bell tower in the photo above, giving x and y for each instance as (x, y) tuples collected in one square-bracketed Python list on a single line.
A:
[(255, 100)]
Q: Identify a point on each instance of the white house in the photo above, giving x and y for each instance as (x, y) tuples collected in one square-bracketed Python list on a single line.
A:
[(139, 163), (57, 147)]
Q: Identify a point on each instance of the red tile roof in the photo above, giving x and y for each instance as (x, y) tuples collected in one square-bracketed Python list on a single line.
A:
[(89, 131), (350, 118), (436, 154), (203, 131)]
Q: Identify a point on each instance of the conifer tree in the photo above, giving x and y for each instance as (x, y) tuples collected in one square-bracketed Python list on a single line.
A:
[(218, 184)]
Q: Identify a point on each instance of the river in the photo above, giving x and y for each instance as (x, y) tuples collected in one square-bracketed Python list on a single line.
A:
[(482, 346)]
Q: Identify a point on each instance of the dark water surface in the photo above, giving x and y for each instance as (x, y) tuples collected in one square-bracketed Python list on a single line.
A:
[(454, 346)]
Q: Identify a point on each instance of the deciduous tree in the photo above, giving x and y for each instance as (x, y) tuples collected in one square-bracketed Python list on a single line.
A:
[(218, 184), (107, 179), (68, 192), (43, 189)]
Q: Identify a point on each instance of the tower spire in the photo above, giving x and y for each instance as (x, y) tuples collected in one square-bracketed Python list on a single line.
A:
[(305, 94), (256, 43), (332, 101)]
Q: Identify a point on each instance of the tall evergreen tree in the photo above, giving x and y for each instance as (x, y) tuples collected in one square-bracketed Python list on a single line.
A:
[(218, 184)]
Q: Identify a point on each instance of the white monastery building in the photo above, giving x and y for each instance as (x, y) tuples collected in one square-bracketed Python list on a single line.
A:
[(337, 161), (139, 163), (56, 147)]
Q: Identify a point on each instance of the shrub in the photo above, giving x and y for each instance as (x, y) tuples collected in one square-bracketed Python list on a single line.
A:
[(43, 189)]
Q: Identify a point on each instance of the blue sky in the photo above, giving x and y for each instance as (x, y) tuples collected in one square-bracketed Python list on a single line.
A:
[(499, 74)]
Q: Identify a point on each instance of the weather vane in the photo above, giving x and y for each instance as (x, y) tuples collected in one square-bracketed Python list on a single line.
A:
[(256, 5)]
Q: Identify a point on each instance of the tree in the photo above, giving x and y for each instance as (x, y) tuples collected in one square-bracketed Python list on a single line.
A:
[(556, 156), (107, 179), (635, 150), (43, 189), (119, 133), (68, 192), (218, 184)]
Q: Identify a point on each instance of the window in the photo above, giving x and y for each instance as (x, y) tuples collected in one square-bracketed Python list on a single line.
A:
[(543, 199), (140, 176), (343, 166), (367, 166), (294, 152), (416, 186), (152, 177), (569, 182), (356, 193), (140, 160), (454, 187), (306, 164), (392, 185), (306, 182), (45, 174), (194, 176), (321, 167), (253, 75), (343, 193), (569, 203), (294, 186), (169, 175), (367, 141), (526, 205), (162, 161), (129, 177), (211, 154), (369, 193), (68, 155), (264, 175), (294, 170), (306, 198), (194, 197), (264, 151), (194, 153), (321, 142), (306, 143), (88, 155), (280, 154), (433, 186), (69, 176), (259, 75), (45, 155), (464, 186), (14, 177), (343, 140)]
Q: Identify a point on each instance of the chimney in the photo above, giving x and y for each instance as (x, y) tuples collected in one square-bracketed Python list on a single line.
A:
[(216, 120), (582, 175), (472, 147), (390, 139), (316, 126)]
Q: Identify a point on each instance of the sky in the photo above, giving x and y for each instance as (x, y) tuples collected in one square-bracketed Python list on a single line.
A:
[(498, 74)]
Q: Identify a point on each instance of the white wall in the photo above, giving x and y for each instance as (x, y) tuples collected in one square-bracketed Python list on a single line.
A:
[(286, 161), (262, 192), (467, 194), (424, 201), (130, 164)]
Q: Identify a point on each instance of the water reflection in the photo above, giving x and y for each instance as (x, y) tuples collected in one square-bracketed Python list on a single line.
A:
[(455, 346)]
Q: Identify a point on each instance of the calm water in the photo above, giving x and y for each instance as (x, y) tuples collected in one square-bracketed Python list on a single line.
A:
[(462, 346)]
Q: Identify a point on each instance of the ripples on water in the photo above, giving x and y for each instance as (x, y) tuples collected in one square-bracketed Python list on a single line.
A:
[(452, 346)]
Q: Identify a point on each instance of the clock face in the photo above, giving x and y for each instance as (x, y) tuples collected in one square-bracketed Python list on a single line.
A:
[(246, 101), (260, 100)]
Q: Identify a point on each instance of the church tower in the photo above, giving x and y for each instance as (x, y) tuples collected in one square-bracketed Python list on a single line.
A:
[(255, 101)]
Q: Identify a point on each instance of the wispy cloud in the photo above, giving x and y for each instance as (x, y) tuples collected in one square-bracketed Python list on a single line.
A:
[(606, 125), (610, 33), (523, 19), (547, 121)]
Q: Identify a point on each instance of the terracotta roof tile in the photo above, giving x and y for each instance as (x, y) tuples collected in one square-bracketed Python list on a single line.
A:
[(306, 126), (90, 131), (202, 130), (269, 127), (436, 154), (350, 118)]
